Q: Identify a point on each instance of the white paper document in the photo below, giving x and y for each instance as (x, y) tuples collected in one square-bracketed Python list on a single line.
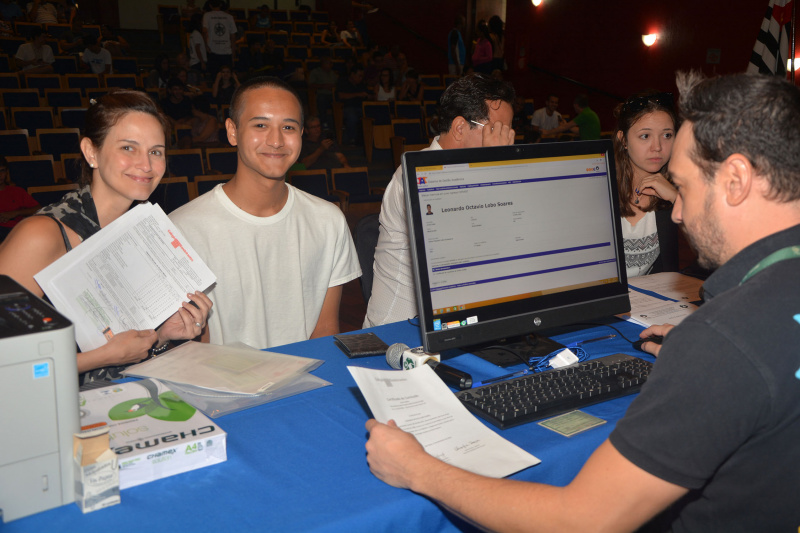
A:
[(669, 285), (421, 404), (133, 274), (648, 310), (224, 368)]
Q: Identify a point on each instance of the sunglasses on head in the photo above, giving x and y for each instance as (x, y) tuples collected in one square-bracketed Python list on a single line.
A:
[(637, 103)]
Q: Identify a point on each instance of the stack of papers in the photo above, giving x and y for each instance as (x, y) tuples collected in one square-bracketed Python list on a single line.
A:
[(224, 379), (665, 298)]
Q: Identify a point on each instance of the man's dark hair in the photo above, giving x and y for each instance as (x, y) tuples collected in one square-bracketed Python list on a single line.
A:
[(259, 82), (754, 115), (468, 96), (582, 101)]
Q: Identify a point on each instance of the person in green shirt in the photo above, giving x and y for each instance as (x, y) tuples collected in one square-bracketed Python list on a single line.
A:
[(586, 122)]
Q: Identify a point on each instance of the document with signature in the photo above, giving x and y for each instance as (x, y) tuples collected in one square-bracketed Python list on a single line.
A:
[(421, 404), (132, 274)]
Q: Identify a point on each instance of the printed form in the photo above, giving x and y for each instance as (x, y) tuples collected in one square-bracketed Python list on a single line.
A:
[(421, 404), (133, 274)]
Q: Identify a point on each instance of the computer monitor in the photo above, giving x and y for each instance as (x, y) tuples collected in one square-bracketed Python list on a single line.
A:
[(507, 241)]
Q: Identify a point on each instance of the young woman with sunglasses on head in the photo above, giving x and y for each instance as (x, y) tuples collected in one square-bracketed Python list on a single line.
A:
[(124, 149), (646, 127)]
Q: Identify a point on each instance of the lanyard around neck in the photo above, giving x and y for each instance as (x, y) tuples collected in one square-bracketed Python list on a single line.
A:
[(790, 252)]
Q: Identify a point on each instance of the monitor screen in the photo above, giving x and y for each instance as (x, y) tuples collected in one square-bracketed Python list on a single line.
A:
[(511, 240)]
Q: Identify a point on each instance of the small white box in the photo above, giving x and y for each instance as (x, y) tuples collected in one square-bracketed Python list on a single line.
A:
[(154, 433)]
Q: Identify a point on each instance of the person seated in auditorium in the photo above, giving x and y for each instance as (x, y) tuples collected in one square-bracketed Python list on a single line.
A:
[(586, 122), (15, 202), (183, 75), (412, 89), (114, 42), (96, 58), (46, 11), (225, 83), (475, 111), (350, 36), (160, 75), (547, 117), (709, 444), (320, 149), (205, 126), (646, 126), (385, 89), (280, 255), (71, 41), (124, 158), (35, 57), (265, 59), (330, 36), (177, 106), (260, 20)]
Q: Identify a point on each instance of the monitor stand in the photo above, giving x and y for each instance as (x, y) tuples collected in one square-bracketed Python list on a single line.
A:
[(501, 352)]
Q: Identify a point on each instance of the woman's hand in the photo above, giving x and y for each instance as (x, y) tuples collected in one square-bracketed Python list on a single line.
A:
[(658, 186), (129, 347), (188, 322)]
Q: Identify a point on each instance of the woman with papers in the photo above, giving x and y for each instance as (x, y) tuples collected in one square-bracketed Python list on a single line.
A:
[(124, 151), (646, 125)]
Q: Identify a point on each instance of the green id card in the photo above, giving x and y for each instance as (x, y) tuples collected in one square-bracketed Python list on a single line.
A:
[(570, 424)]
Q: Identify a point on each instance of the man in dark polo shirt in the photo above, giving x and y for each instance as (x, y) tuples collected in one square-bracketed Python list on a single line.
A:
[(176, 105), (318, 151), (710, 443)]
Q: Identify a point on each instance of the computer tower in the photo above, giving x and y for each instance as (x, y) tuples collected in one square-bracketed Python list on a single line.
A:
[(39, 409)]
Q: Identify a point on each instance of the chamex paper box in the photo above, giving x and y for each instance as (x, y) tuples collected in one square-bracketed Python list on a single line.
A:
[(154, 433)]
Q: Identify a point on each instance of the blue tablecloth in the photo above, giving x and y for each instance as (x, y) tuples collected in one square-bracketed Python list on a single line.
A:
[(298, 464)]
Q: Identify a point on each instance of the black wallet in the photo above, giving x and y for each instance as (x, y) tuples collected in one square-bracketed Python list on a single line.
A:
[(360, 344)]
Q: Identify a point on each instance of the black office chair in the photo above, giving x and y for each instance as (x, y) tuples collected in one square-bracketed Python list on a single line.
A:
[(366, 239)]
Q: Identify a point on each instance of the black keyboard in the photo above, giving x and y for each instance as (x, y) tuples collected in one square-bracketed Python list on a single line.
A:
[(536, 396)]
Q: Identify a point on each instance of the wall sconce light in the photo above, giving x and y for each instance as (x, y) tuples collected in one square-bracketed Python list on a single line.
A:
[(650, 39), (536, 3), (789, 64)]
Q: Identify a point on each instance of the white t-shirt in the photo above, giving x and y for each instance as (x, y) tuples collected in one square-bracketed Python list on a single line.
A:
[(272, 272), (27, 52), (196, 38), (97, 61), (220, 27), (393, 293), (544, 121), (641, 245)]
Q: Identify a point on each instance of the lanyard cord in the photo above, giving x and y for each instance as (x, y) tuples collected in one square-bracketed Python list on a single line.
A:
[(790, 252)]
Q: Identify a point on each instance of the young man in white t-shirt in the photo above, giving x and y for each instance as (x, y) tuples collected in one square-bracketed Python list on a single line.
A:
[(96, 57), (35, 57), (280, 255), (219, 31), (547, 118)]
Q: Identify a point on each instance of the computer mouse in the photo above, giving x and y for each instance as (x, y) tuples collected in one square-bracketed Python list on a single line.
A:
[(658, 339)]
